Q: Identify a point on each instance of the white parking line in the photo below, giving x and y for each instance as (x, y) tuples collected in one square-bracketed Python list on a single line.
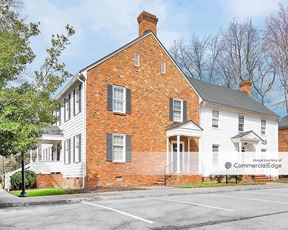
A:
[(115, 210), (254, 199), (197, 204), (268, 193)]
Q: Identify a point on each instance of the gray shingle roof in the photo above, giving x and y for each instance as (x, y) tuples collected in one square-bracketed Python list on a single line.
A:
[(229, 97), (283, 124), (52, 130), (242, 134)]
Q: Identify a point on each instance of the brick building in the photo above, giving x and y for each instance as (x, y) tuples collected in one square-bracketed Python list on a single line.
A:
[(283, 134), (134, 118)]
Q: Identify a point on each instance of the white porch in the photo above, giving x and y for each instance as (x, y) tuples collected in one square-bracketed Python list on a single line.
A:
[(182, 148), (47, 157), (246, 141)]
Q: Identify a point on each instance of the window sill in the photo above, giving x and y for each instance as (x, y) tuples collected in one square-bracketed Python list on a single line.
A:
[(119, 162), (216, 128), (119, 113)]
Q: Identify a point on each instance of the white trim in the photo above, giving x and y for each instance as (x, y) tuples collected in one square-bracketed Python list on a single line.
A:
[(124, 148), (181, 110), (188, 129), (124, 98)]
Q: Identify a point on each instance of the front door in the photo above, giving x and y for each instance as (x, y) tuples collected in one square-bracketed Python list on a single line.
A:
[(174, 153)]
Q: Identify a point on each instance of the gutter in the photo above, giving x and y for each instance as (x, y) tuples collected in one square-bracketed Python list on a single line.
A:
[(83, 79)]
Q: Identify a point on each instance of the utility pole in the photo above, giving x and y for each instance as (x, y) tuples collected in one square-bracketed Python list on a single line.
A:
[(23, 192)]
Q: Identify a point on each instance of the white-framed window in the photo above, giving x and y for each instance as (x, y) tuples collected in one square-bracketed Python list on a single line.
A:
[(241, 123), (163, 67), (136, 59), (215, 118), (77, 100), (215, 154), (118, 148), (67, 151), (77, 148), (67, 107), (177, 110), (263, 127), (119, 99)]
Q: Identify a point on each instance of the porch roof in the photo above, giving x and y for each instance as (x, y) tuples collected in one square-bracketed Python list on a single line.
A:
[(187, 128), (248, 136), (52, 133)]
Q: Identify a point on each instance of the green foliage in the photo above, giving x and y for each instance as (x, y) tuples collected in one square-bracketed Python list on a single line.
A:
[(15, 33), (237, 178), (26, 109), (16, 181), (46, 192), (219, 178)]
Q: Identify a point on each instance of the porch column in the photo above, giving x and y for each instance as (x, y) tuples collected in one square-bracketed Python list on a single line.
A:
[(178, 154), (167, 155), (240, 152), (188, 158)]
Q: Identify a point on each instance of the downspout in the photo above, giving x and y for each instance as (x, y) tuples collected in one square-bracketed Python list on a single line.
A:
[(84, 125)]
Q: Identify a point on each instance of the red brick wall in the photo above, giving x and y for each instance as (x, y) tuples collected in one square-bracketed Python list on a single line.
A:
[(283, 140), (151, 91), (49, 180)]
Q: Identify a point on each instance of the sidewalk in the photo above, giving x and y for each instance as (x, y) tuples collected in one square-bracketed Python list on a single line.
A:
[(8, 200)]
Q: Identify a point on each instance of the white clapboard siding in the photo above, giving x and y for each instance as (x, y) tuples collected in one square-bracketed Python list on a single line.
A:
[(228, 127), (71, 128)]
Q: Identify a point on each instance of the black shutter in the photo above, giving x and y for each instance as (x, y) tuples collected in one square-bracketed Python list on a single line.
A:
[(69, 106), (170, 109), (109, 97), (128, 148), (74, 149), (65, 160), (80, 98), (184, 110), (109, 147), (80, 147), (74, 102), (69, 152), (128, 100)]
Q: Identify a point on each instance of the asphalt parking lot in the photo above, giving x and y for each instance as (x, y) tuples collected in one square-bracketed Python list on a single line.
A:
[(253, 209)]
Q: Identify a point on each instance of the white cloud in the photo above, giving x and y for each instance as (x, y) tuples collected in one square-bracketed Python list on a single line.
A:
[(243, 9)]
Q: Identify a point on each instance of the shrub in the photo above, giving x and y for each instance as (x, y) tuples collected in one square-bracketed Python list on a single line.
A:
[(237, 178), (16, 181), (219, 178)]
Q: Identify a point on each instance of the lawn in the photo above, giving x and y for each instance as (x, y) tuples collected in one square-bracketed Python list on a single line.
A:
[(215, 184), (44, 192)]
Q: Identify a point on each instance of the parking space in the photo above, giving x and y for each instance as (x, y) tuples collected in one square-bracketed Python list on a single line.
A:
[(253, 209)]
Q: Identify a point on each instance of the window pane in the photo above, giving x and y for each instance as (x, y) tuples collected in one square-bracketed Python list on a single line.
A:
[(118, 106), (118, 153), (118, 93), (118, 140)]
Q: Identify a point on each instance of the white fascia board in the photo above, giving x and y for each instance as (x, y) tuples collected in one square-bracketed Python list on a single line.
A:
[(183, 132), (50, 137)]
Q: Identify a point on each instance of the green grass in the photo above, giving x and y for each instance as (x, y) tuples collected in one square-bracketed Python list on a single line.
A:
[(215, 184), (44, 192)]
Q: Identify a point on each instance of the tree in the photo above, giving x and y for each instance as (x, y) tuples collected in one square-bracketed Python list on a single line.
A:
[(197, 58), (239, 53), (277, 43), (15, 34)]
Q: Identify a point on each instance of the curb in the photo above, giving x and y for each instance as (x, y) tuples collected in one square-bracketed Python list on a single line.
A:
[(130, 196)]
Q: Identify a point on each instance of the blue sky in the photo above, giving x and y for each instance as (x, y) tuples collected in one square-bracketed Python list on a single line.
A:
[(103, 26)]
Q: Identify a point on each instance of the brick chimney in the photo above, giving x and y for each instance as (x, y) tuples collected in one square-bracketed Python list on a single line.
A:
[(147, 22), (246, 87)]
